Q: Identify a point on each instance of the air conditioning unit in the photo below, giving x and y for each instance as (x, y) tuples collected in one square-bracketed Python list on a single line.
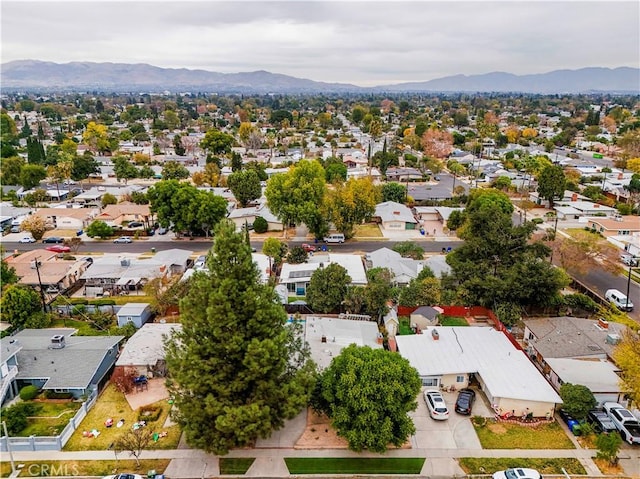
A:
[(125, 262)]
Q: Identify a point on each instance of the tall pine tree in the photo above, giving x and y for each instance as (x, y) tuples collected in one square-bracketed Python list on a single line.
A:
[(237, 370)]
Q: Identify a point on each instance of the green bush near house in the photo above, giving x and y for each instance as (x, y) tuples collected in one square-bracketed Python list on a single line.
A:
[(29, 392), (260, 225), (149, 413)]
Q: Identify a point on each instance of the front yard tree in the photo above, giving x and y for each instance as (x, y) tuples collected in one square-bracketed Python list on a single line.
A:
[(327, 288), (245, 186), (349, 204), (394, 192), (577, 400), (275, 250), (295, 197), (368, 394), (34, 225), (608, 446), (217, 143), (237, 372), (134, 442), (627, 357), (552, 183), (21, 307), (172, 170), (100, 229)]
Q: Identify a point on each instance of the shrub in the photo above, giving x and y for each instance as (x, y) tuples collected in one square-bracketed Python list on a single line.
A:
[(149, 413), (29, 392), (537, 221), (102, 302), (16, 416), (76, 310), (49, 394), (580, 301), (260, 225)]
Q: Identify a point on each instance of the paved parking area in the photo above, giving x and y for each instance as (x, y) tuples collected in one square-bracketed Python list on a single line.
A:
[(455, 433)]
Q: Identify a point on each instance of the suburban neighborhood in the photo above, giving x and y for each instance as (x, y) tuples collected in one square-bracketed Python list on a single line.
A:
[(272, 286)]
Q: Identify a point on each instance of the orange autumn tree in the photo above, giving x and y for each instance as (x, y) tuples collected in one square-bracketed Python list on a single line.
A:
[(437, 143)]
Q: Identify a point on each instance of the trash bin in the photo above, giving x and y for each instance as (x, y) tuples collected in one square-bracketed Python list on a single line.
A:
[(153, 250)]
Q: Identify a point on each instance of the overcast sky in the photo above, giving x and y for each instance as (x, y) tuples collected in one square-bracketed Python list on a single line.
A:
[(365, 43)]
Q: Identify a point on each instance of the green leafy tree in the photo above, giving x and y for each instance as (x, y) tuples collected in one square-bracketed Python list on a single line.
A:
[(335, 170), (608, 446), (124, 169), (83, 166), (11, 169), (245, 186), (355, 300), (146, 172), (108, 199), (217, 143), (421, 291), (327, 288), (8, 274), (260, 225), (377, 292), (456, 220), (577, 400), (172, 170), (552, 183), (295, 196), (275, 250), (178, 147), (394, 192), (35, 151), (349, 204), (32, 175), (21, 307), (297, 255), (100, 229), (368, 394), (237, 370)]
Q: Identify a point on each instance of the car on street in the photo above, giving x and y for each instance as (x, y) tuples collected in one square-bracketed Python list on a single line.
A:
[(26, 239), (58, 249), (53, 239), (435, 404), (601, 421), (124, 475), (123, 239), (517, 473), (465, 400), (619, 300), (308, 248)]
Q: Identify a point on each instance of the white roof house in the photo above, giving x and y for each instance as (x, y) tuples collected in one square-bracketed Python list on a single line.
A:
[(146, 346), (395, 215), (297, 276), (403, 269), (507, 376), (338, 334)]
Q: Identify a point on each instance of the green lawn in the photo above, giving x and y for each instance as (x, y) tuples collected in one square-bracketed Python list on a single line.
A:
[(112, 404), (84, 327), (495, 435), (235, 465), (354, 465), (453, 321), (489, 465), (50, 418), (404, 327)]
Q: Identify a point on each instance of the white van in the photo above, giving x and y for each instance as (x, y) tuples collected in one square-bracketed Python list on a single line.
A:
[(619, 299), (334, 238)]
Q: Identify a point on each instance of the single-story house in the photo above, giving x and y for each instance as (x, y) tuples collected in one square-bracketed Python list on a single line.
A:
[(567, 196), (52, 269), (581, 209), (327, 337), (438, 264), (618, 226), (240, 216), (136, 313), (94, 195), (8, 368), (57, 360), (144, 351), (424, 317), (116, 215), (426, 213), (395, 216), (403, 174), (67, 218), (448, 356), (403, 269), (296, 277), (600, 376)]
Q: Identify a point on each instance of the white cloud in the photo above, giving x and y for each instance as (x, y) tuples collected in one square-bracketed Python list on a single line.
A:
[(360, 42)]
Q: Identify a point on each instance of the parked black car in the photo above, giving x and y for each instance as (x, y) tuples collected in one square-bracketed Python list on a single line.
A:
[(601, 421), (465, 400), (53, 239)]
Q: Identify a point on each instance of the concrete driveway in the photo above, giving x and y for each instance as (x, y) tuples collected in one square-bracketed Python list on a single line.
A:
[(455, 433)]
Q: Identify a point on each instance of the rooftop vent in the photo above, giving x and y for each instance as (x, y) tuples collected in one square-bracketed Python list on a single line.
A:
[(125, 262), (57, 341), (435, 335), (612, 338)]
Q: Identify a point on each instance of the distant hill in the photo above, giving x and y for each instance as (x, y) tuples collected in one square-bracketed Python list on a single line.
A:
[(34, 74)]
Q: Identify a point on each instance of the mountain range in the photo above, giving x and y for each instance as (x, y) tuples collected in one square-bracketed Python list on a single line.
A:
[(123, 77)]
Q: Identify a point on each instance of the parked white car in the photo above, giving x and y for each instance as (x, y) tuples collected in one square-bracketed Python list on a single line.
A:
[(619, 300), (625, 421), (27, 239), (435, 404), (517, 473)]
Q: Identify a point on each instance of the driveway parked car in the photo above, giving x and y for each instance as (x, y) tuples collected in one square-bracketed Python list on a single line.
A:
[(26, 239), (123, 239), (517, 473), (53, 239), (601, 421), (465, 400), (58, 249), (436, 405), (135, 224)]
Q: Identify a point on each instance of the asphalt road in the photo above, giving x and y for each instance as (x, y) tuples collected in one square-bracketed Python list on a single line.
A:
[(141, 246)]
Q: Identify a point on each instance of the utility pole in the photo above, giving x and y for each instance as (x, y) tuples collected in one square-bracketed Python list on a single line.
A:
[(626, 305), (6, 434), (44, 299)]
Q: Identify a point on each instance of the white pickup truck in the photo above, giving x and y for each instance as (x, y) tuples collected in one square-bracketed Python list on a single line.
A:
[(626, 422)]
